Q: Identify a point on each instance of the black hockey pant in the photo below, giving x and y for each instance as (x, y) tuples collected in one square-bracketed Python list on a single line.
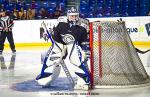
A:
[(10, 39)]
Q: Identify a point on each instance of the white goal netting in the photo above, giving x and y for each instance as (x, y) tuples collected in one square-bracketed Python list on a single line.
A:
[(114, 60)]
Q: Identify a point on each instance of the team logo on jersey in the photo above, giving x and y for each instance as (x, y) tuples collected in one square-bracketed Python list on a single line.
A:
[(67, 38)]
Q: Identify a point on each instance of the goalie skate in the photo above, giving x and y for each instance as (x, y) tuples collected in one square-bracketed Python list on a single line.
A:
[(83, 81), (81, 87)]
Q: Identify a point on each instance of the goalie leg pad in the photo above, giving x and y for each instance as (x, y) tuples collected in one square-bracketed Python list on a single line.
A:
[(49, 75), (74, 56), (83, 78), (81, 67), (55, 54)]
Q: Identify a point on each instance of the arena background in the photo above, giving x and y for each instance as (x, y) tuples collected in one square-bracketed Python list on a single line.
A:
[(18, 77)]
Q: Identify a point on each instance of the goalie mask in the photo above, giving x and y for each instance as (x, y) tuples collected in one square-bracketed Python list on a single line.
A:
[(73, 15)]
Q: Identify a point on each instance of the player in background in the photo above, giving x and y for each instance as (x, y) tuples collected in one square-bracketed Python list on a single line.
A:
[(69, 36), (6, 25)]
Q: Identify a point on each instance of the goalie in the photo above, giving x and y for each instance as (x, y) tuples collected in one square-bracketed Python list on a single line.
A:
[(69, 36)]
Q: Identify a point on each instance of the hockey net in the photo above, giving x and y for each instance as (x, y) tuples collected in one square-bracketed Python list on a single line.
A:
[(114, 61)]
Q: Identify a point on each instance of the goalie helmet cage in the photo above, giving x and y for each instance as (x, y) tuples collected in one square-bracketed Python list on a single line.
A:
[(114, 61)]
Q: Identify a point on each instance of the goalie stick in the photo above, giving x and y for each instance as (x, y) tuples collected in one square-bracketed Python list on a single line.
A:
[(61, 61), (50, 49)]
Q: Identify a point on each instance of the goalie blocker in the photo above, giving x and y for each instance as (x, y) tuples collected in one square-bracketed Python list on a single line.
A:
[(72, 33)]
